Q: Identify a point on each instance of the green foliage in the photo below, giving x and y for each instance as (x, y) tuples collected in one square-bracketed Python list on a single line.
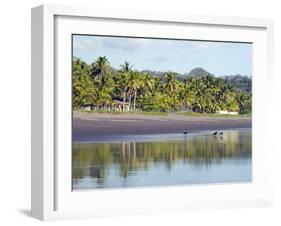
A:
[(101, 87), (244, 101), (83, 89)]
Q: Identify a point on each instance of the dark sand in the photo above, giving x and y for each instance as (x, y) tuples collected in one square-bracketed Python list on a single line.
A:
[(89, 127)]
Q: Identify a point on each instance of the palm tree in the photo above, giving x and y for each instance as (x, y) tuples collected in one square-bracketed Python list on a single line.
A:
[(245, 102), (170, 85), (148, 81), (83, 89), (147, 93), (100, 67), (147, 85), (105, 91), (126, 69), (134, 84), (102, 78), (186, 95)]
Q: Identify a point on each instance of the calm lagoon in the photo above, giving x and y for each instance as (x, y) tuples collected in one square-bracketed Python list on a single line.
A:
[(163, 160)]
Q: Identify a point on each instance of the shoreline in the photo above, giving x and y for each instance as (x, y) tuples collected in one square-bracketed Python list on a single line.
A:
[(152, 137), (92, 127)]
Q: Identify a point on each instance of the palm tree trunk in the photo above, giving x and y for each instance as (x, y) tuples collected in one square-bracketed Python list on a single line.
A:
[(130, 97), (134, 145), (124, 100), (135, 97)]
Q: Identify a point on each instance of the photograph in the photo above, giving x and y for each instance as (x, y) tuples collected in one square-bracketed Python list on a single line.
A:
[(150, 112)]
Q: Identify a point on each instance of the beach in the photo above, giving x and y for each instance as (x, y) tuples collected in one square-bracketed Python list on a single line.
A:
[(88, 126)]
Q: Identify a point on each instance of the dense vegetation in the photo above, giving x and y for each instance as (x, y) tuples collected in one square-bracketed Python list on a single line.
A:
[(101, 87), (239, 82)]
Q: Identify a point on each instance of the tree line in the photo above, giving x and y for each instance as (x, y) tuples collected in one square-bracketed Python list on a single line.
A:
[(100, 86)]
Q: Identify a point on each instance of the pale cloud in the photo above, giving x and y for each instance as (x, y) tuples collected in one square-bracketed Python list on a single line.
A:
[(125, 44), (78, 46), (121, 44), (132, 44), (160, 59), (85, 44), (204, 45)]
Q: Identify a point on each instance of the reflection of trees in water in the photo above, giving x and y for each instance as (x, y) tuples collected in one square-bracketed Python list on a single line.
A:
[(95, 159)]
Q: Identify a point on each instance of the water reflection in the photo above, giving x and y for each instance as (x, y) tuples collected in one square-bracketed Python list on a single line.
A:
[(188, 159)]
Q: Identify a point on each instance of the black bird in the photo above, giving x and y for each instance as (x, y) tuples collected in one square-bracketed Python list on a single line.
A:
[(185, 132), (221, 133), (215, 133)]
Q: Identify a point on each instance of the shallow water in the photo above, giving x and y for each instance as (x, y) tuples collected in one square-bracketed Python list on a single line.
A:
[(161, 160)]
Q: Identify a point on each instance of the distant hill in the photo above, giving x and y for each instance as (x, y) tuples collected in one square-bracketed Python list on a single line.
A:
[(199, 72), (154, 73), (239, 82), (196, 72), (160, 74)]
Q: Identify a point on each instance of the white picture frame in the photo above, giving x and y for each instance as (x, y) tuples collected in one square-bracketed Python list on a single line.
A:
[(52, 197)]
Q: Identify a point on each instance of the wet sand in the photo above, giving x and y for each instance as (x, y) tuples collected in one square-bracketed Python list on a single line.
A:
[(89, 127)]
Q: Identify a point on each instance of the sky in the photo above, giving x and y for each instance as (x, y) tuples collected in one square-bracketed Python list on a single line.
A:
[(218, 58)]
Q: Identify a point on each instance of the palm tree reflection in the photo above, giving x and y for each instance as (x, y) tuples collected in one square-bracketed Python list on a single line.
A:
[(126, 158)]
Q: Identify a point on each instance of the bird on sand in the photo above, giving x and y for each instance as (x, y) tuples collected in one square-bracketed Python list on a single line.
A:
[(185, 132), (221, 133), (215, 133)]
